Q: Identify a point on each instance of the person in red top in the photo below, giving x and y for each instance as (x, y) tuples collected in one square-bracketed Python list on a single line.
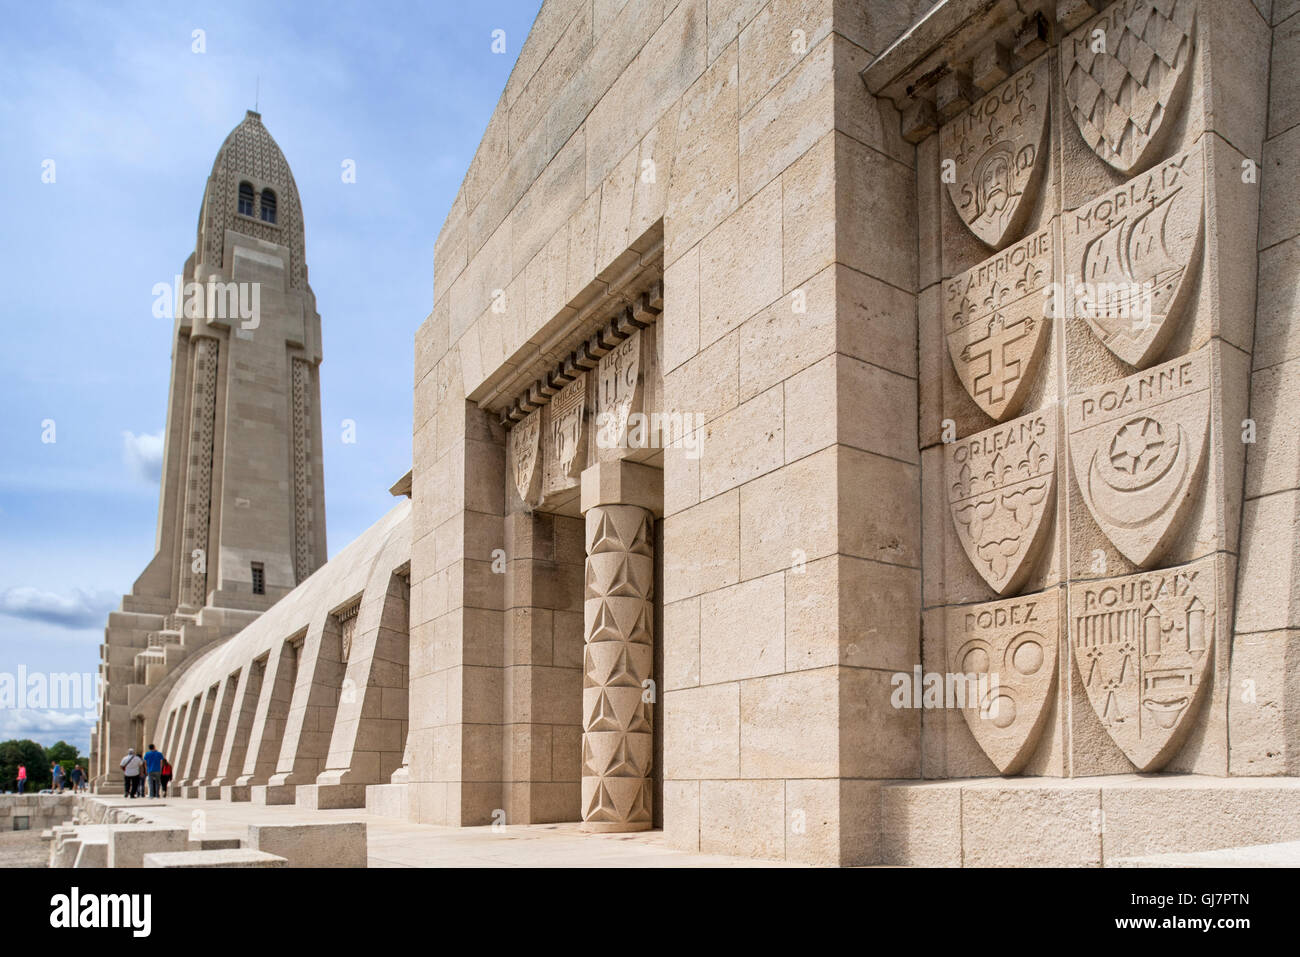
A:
[(22, 777), (166, 776)]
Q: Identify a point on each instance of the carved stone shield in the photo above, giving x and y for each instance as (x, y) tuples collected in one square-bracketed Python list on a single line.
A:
[(1007, 651), (618, 390), (526, 459), (997, 148), (993, 320), (1124, 72), (567, 434), (1001, 485), (1137, 447), (1132, 255), (1143, 645)]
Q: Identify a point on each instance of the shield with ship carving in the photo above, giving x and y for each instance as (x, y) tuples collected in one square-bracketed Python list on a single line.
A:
[(1124, 73), (1134, 252), (1137, 447), (995, 324), (1006, 651), (996, 148), (1143, 646), (1001, 485)]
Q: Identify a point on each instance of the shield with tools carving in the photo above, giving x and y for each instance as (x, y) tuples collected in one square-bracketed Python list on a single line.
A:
[(997, 155), (1124, 72), (1143, 646)]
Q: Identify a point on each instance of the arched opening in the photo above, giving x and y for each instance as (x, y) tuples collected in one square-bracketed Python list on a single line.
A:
[(268, 206), (246, 199)]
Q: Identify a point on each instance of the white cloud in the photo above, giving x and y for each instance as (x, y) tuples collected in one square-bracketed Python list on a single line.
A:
[(144, 454), (80, 610), (46, 727)]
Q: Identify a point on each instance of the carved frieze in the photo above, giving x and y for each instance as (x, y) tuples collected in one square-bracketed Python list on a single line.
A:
[(1137, 447), (1005, 653), (526, 458), (1001, 488), (997, 148), (994, 322), (618, 391), (1143, 645), (1124, 72), (1132, 255), (568, 437)]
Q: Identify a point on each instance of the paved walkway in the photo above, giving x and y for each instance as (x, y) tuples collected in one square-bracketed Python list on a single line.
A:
[(396, 843)]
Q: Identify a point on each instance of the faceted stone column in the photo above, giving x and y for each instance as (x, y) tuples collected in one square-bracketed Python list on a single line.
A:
[(618, 658), (617, 740)]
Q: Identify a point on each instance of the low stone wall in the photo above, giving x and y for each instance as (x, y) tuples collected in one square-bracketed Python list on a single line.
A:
[(35, 812)]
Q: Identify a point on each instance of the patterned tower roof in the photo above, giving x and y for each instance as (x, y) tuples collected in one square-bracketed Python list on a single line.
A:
[(251, 155)]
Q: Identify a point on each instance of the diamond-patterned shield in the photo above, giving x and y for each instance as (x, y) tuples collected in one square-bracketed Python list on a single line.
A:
[(1124, 72)]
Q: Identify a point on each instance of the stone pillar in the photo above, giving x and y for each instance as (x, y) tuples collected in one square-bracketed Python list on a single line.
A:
[(619, 502)]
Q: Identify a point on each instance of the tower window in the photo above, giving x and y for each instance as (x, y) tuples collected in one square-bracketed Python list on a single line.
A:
[(268, 206), (259, 579), (246, 199)]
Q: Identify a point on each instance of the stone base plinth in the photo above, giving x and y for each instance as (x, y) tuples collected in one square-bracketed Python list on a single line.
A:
[(209, 792), (325, 796), (1080, 822), (188, 791), (388, 800), (236, 792), (272, 793)]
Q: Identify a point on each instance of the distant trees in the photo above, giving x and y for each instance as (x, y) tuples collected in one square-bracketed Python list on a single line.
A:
[(37, 760)]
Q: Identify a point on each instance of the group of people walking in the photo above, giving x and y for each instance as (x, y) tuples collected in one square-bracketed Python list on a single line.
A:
[(60, 781), (152, 765)]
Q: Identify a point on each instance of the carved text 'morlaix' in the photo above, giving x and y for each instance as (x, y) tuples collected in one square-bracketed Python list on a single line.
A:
[(1132, 254)]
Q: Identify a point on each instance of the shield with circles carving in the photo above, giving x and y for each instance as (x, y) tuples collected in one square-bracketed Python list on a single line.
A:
[(1007, 651)]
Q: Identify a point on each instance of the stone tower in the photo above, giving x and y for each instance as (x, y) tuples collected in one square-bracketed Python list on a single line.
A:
[(241, 516)]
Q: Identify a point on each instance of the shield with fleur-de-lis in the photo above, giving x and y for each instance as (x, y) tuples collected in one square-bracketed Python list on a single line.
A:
[(995, 323), (1001, 486), (1124, 72), (996, 153)]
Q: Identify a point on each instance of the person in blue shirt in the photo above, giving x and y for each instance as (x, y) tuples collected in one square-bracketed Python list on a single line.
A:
[(153, 762)]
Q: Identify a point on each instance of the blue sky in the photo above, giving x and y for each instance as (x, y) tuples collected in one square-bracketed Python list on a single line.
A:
[(132, 118)]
